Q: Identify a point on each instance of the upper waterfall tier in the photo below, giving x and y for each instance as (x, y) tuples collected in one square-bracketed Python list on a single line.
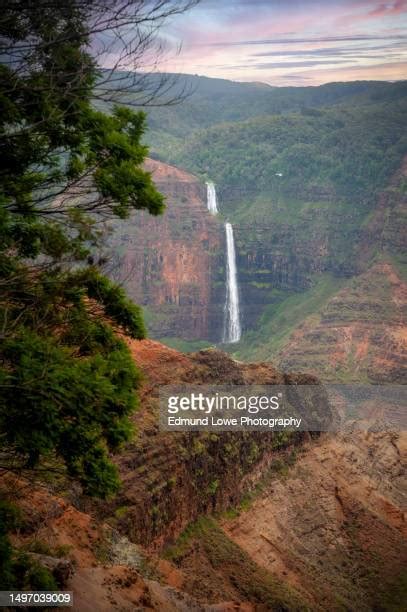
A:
[(211, 198)]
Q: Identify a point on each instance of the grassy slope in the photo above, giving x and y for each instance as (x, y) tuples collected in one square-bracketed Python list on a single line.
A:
[(280, 319), (185, 346), (223, 569)]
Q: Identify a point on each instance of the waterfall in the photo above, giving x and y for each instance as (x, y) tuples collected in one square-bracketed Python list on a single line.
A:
[(211, 198), (232, 329)]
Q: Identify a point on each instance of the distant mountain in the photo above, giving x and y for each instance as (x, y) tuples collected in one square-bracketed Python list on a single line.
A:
[(314, 183), (208, 101)]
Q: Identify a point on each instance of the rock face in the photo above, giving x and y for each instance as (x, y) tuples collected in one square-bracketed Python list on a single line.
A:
[(171, 479), (270, 256), (168, 263), (360, 334), (105, 571), (174, 265), (312, 523), (334, 525)]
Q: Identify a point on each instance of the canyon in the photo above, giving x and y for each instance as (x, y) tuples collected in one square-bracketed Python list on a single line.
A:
[(298, 305), (232, 522), (284, 246), (279, 260)]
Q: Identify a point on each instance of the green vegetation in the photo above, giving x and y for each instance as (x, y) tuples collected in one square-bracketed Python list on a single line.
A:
[(232, 566), (17, 570), (213, 101), (345, 152), (186, 346), (285, 312), (298, 172), (67, 382)]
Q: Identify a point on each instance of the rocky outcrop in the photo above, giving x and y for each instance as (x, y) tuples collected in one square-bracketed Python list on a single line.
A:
[(168, 481), (104, 570), (172, 478)]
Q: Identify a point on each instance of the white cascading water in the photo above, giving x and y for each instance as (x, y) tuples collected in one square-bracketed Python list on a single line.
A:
[(232, 329), (211, 198)]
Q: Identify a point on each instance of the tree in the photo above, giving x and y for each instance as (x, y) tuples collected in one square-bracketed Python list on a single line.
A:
[(19, 571), (67, 380)]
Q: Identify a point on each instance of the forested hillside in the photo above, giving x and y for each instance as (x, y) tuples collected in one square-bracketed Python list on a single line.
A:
[(301, 174), (207, 101), (345, 153)]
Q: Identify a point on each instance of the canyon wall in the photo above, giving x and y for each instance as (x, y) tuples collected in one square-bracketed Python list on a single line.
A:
[(360, 333), (174, 265), (172, 478), (274, 256), (168, 263)]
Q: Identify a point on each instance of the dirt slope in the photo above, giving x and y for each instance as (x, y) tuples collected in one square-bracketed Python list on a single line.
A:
[(334, 526)]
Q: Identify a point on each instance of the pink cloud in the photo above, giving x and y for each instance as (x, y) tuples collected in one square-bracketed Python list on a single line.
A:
[(317, 76), (385, 8), (218, 38), (382, 11)]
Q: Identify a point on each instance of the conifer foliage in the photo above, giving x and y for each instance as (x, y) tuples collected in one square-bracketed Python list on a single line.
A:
[(67, 380)]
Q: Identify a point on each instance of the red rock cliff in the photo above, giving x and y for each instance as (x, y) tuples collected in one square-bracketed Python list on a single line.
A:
[(166, 262)]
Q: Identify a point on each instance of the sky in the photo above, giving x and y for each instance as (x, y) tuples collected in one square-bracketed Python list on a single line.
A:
[(290, 42)]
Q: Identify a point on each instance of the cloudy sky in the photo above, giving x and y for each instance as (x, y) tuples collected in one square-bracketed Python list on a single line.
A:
[(291, 42)]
